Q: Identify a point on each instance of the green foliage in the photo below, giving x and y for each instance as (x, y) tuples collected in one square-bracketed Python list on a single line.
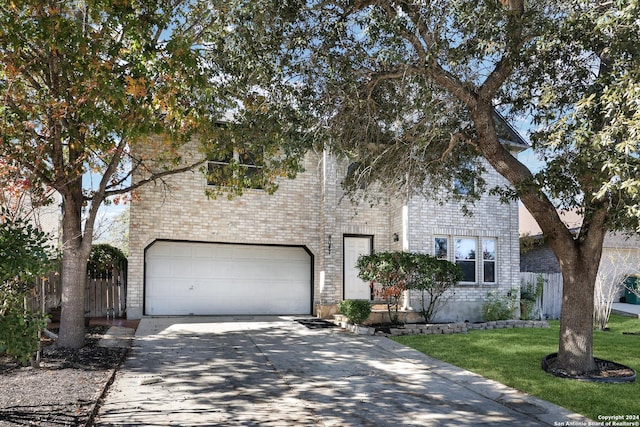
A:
[(434, 278), (19, 328), (529, 295), (499, 307), (25, 254), (392, 270), (399, 271), (532, 291), (103, 258), (357, 311)]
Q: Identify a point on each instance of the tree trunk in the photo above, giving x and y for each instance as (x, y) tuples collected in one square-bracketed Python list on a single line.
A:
[(75, 253), (579, 258), (74, 277), (575, 350)]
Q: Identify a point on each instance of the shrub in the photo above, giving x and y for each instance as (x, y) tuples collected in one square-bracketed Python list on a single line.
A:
[(24, 255), (102, 259), (356, 310), (529, 294), (392, 270), (400, 271), (499, 307), (434, 278)]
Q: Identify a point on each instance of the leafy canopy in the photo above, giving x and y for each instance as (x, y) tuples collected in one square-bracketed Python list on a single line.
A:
[(408, 88), (85, 82)]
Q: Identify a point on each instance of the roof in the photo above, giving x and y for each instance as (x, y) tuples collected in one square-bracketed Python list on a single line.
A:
[(529, 227), (508, 135)]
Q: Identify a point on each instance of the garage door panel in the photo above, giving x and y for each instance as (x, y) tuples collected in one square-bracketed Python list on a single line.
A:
[(226, 279), (159, 268), (214, 252), (205, 268), (182, 250)]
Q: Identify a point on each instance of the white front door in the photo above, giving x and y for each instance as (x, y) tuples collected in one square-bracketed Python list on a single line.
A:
[(354, 287)]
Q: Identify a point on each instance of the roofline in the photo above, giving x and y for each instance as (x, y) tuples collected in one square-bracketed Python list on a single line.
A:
[(516, 141)]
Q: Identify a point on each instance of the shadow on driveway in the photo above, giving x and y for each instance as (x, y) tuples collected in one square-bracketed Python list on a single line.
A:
[(273, 371)]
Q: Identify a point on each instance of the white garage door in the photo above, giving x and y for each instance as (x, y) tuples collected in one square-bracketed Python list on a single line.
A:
[(183, 278)]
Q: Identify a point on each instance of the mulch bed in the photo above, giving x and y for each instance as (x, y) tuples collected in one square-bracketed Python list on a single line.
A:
[(316, 323), (606, 371), (64, 390)]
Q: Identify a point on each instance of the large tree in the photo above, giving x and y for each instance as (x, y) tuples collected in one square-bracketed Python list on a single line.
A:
[(411, 89), (83, 83)]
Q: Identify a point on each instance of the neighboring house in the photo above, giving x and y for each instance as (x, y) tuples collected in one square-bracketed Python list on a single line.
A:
[(46, 218), (294, 252), (620, 252)]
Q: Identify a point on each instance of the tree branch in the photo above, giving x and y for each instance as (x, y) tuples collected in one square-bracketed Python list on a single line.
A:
[(152, 178), (515, 41), (391, 75)]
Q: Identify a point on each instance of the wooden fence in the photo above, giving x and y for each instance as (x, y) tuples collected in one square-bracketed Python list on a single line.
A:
[(105, 292), (549, 304)]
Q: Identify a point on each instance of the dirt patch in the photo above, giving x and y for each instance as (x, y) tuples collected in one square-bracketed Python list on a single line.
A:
[(63, 391)]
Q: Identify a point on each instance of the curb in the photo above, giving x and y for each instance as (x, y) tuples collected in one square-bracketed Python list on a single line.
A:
[(111, 340), (98, 403)]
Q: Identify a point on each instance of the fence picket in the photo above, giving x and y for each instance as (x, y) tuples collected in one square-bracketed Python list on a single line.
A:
[(105, 294), (550, 303)]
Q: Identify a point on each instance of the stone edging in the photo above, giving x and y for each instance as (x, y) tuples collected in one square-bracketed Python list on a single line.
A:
[(443, 328)]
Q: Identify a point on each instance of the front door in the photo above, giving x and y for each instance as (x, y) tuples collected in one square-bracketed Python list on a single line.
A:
[(354, 287)]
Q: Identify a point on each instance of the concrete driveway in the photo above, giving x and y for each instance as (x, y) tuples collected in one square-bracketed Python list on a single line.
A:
[(273, 371)]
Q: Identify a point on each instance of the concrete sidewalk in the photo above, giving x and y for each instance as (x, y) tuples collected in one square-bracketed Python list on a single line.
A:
[(273, 371), (623, 309)]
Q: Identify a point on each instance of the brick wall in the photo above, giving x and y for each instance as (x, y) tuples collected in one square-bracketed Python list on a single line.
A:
[(490, 218), (310, 211), (180, 210)]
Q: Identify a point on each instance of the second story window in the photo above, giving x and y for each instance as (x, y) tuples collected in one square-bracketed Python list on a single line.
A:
[(356, 176), (464, 184), (237, 168)]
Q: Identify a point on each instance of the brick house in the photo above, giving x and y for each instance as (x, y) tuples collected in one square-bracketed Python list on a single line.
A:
[(294, 252), (620, 251)]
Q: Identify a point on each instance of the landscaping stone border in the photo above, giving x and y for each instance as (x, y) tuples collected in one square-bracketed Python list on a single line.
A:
[(441, 328)]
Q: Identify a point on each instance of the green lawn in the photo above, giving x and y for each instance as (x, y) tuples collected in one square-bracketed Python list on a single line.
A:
[(513, 357)]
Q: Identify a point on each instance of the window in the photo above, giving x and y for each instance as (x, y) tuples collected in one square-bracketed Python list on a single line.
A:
[(465, 257), (489, 260), (238, 166), (464, 183), (356, 177), (441, 248)]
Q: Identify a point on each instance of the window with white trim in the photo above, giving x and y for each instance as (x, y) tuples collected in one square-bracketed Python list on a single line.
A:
[(465, 254), (489, 260), (441, 250), (465, 257)]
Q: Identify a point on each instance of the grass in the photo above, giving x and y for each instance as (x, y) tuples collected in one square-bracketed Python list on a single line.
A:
[(513, 356)]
